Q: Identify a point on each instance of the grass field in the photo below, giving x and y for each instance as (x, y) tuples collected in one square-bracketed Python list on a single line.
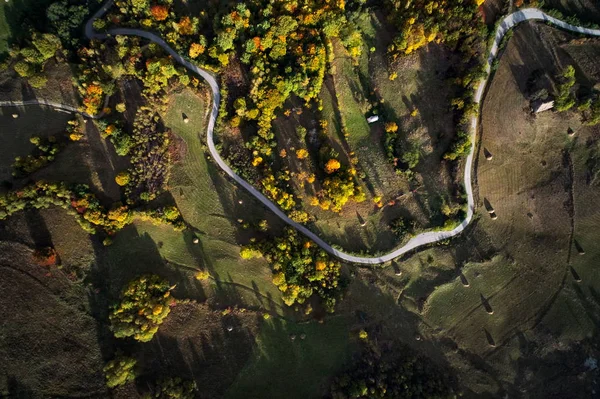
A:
[(211, 205), (49, 342), (90, 161), (519, 266)]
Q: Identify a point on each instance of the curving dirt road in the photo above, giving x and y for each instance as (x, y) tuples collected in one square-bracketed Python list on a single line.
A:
[(415, 242)]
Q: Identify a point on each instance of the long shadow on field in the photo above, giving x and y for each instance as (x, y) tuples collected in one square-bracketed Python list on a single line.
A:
[(130, 256), (38, 229), (199, 345), (238, 205), (560, 372), (16, 389)]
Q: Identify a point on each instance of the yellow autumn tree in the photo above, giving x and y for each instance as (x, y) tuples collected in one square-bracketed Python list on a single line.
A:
[(196, 49), (301, 153), (391, 127)]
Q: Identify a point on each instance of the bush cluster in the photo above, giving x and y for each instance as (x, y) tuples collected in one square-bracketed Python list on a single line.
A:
[(386, 373), (45, 152), (80, 202), (143, 308), (30, 60), (120, 370), (173, 388)]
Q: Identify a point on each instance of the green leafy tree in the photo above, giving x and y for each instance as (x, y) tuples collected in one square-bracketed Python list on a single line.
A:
[(120, 370), (174, 388)]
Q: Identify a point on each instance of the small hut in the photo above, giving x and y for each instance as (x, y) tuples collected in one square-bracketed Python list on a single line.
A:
[(373, 118), (541, 106)]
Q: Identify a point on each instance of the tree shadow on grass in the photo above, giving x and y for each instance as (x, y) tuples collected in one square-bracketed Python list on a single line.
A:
[(20, 15), (199, 345)]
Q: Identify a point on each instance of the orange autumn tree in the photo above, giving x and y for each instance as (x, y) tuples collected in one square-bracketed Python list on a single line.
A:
[(159, 12), (332, 165), (92, 99)]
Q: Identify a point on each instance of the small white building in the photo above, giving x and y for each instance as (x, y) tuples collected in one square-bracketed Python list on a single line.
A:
[(373, 118), (541, 106)]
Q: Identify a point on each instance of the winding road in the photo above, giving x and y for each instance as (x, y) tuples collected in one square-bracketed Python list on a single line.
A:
[(422, 239)]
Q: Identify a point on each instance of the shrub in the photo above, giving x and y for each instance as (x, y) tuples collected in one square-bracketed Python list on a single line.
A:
[(45, 256), (249, 253), (38, 81), (174, 388), (202, 275), (143, 308), (391, 127), (121, 107), (120, 371), (24, 69)]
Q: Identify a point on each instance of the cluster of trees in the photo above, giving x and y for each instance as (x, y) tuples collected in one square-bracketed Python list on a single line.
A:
[(79, 201), (422, 21), (404, 154), (145, 304), (388, 373), (565, 98), (122, 369), (66, 21), (46, 150), (183, 33), (284, 46), (300, 268), (29, 61), (150, 159)]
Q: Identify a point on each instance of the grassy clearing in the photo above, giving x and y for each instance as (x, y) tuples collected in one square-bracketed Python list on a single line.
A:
[(211, 205), (280, 367), (90, 161), (14, 140)]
